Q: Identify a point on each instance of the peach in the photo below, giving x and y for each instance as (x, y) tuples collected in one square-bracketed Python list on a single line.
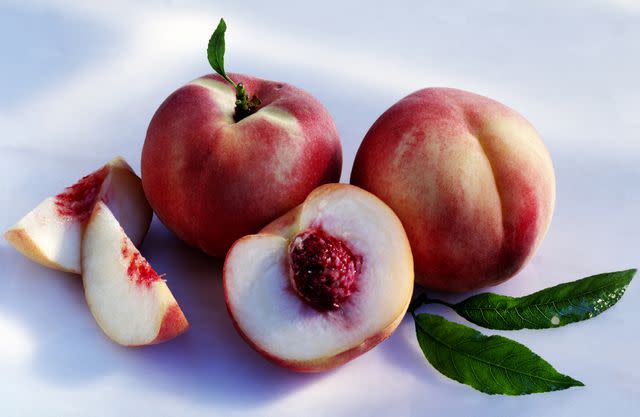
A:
[(130, 302), (212, 179), (470, 179), (51, 233), (324, 283)]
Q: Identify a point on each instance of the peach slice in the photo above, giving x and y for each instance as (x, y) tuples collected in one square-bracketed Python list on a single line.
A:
[(324, 283), (51, 233), (129, 300)]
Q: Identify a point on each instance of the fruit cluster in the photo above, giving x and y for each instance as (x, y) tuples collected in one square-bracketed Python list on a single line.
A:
[(452, 185)]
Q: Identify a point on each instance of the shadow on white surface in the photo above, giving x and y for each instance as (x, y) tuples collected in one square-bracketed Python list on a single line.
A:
[(210, 363)]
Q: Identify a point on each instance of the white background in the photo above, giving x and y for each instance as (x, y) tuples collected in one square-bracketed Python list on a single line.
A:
[(80, 82)]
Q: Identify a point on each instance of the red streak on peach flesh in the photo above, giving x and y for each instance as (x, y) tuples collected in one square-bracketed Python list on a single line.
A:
[(139, 270), (76, 202), (125, 247)]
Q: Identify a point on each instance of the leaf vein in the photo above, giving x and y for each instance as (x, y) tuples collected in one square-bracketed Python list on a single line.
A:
[(542, 314), (523, 304)]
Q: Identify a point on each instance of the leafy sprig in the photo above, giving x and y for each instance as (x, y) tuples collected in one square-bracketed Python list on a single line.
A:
[(216, 47), (496, 364)]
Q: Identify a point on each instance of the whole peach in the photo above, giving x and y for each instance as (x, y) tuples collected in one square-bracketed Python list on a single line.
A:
[(212, 179), (470, 179)]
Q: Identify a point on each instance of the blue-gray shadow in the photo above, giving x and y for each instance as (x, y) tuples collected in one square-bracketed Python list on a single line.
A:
[(209, 363)]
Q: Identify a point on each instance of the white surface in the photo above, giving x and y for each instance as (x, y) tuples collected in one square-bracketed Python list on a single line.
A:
[(80, 81)]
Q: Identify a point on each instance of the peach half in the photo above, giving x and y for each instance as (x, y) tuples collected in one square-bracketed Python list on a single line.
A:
[(324, 283)]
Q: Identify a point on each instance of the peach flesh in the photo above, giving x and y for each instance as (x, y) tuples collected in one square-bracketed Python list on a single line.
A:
[(139, 270), (78, 200), (279, 323), (129, 300), (323, 270), (51, 233)]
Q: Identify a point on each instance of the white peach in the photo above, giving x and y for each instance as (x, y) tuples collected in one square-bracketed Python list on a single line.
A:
[(211, 178), (130, 301), (51, 233), (324, 283), (470, 179)]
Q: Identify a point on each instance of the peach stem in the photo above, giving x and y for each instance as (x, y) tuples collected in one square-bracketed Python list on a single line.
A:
[(423, 299)]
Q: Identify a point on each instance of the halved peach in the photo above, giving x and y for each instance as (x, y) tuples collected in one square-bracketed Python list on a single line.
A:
[(324, 283)]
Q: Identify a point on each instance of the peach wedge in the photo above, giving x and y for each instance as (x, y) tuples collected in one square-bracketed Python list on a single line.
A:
[(51, 233), (129, 300)]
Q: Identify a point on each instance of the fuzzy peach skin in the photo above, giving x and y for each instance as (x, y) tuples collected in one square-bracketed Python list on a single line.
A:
[(470, 179), (212, 180)]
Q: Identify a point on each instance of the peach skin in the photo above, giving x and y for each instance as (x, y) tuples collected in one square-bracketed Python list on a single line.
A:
[(226, 154), (470, 179)]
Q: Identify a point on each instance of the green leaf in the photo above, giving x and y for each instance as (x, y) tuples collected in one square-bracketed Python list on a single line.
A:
[(216, 49), (491, 364), (552, 307)]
